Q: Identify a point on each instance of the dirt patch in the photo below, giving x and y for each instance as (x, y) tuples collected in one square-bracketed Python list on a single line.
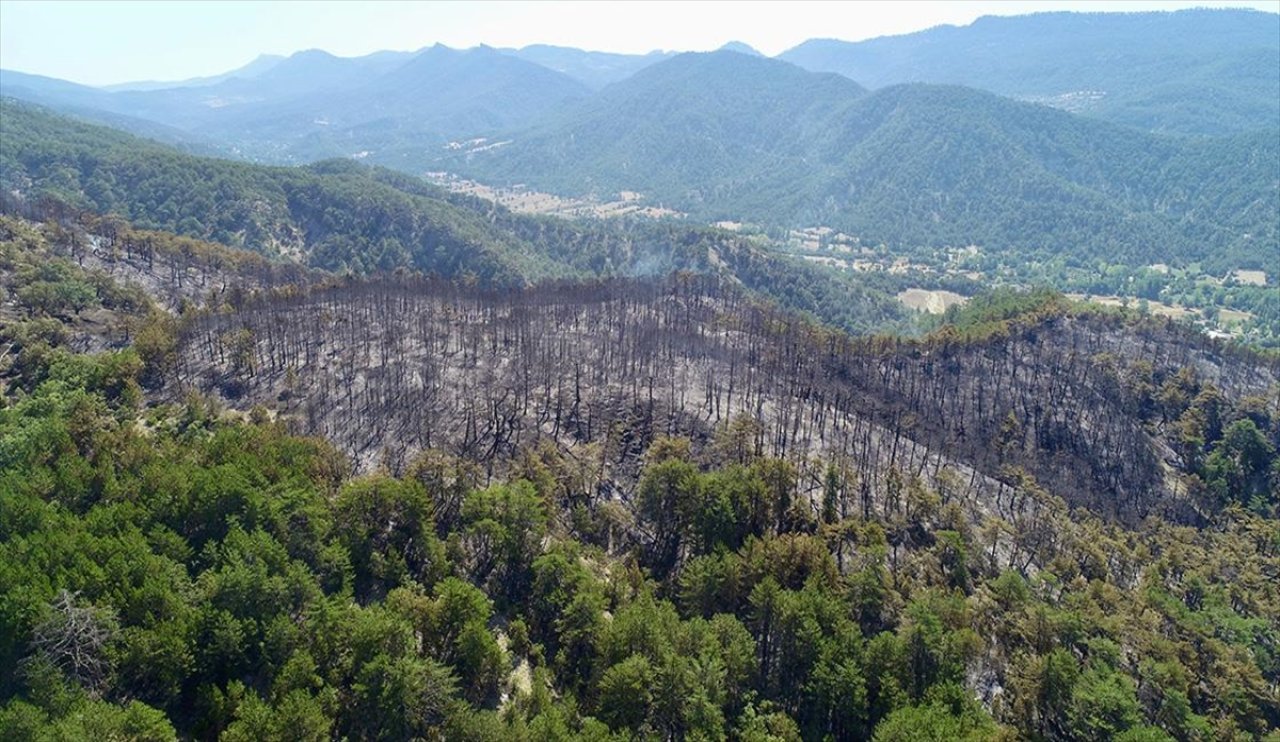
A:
[(933, 302), (1157, 308), (1250, 278)]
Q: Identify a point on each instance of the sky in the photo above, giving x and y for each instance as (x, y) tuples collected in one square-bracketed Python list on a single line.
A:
[(101, 42)]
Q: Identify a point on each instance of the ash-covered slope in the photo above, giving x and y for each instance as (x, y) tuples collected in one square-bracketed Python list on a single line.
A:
[(1088, 406)]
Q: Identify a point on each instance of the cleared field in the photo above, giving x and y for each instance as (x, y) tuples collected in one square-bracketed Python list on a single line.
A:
[(1250, 278), (1234, 315), (933, 302), (1156, 307), (525, 201)]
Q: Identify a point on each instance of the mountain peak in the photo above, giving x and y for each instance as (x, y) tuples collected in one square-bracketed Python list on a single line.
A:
[(307, 54), (741, 48)]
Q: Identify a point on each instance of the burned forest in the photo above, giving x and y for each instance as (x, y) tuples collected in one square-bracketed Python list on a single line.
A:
[(389, 369)]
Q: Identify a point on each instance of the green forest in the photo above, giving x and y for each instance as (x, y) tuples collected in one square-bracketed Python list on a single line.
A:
[(1192, 72), (345, 218), (724, 136)]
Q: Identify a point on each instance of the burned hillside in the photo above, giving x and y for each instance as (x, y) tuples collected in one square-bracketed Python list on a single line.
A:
[(1090, 406)]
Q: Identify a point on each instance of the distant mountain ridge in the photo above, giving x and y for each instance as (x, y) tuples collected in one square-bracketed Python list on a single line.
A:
[(1190, 72), (313, 105), (725, 136), (260, 64), (593, 69), (417, 103), (1200, 72)]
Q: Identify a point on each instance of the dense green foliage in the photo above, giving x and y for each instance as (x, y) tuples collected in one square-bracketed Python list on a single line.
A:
[(340, 216), (729, 136), (1191, 72)]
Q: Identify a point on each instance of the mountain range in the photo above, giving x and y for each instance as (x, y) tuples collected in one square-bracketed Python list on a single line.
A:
[(912, 161), (725, 136), (1191, 72), (1188, 72), (313, 105)]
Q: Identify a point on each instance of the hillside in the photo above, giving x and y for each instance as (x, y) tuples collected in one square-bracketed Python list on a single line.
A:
[(826, 554), (699, 130), (725, 136), (417, 366), (275, 211), (344, 217), (1200, 71)]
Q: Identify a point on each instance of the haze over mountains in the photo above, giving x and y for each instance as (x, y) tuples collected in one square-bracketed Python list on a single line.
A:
[(905, 165), (1196, 71), (1190, 72), (734, 136), (297, 107)]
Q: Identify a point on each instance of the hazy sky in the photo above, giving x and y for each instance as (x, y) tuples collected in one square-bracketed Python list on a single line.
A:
[(102, 42)]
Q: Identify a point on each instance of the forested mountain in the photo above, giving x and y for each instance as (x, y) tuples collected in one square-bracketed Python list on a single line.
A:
[(275, 211), (648, 509), (728, 136), (1191, 72), (344, 217), (695, 131)]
